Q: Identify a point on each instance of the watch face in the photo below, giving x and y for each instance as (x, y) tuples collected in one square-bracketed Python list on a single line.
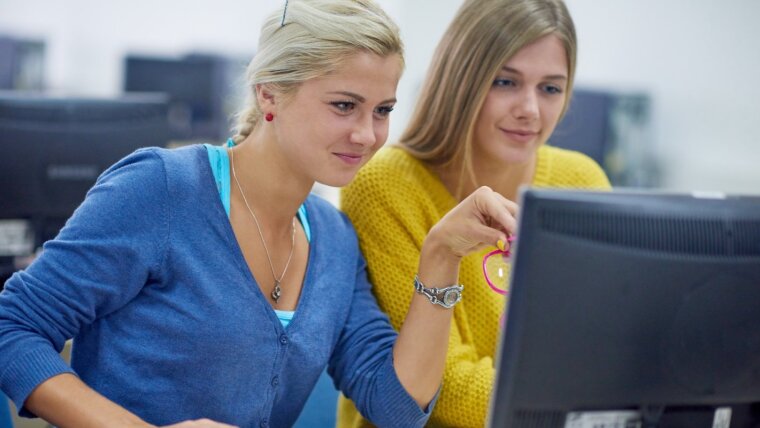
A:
[(451, 297)]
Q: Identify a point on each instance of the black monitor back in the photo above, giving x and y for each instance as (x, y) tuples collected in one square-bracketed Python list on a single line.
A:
[(52, 149), (630, 301)]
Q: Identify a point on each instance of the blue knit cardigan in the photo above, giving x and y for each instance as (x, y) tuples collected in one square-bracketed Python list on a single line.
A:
[(167, 320)]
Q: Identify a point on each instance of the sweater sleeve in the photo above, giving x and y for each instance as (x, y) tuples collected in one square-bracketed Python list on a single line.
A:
[(98, 262), (362, 362), (393, 214)]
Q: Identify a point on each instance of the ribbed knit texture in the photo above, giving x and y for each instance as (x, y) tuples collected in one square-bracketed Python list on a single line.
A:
[(168, 322), (393, 203)]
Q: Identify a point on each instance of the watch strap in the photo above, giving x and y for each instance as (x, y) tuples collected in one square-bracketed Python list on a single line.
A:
[(446, 297)]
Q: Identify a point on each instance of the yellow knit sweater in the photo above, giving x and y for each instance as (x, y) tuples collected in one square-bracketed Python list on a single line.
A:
[(393, 202)]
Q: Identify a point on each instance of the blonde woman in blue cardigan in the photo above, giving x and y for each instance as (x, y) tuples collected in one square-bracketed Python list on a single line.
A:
[(205, 287)]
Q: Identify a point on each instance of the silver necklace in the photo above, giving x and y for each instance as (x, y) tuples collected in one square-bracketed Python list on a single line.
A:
[(276, 291)]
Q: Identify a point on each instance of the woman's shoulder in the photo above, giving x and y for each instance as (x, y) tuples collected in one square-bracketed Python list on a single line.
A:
[(142, 164), (322, 211), (182, 156), (393, 159), (181, 173), (325, 218), (566, 157), (160, 156), (393, 170), (563, 167)]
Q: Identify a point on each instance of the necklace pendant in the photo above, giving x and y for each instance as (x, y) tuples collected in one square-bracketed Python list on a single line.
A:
[(277, 292)]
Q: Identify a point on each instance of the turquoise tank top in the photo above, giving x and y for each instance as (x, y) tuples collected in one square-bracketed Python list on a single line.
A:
[(220, 167)]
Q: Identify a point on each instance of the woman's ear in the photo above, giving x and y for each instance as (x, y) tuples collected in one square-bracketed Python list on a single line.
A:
[(266, 98)]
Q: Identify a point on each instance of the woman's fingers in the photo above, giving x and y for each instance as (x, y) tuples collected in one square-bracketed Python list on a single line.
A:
[(511, 206), (483, 236), (501, 212), (482, 219)]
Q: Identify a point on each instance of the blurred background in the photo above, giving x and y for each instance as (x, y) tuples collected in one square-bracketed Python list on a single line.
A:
[(679, 74), (666, 92)]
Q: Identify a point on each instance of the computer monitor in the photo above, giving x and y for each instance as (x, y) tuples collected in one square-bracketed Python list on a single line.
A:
[(614, 129), (22, 63), (52, 149), (201, 91), (631, 309), (586, 126)]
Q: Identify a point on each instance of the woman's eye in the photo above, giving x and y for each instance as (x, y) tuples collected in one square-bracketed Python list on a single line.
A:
[(504, 82), (343, 106), (552, 89), (384, 111)]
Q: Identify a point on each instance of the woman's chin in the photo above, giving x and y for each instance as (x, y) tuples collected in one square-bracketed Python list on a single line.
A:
[(337, 180)]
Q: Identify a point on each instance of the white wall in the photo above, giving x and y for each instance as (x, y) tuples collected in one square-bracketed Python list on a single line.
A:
[(698, 58)]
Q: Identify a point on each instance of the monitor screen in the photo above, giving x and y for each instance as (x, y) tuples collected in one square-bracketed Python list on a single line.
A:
[(52, 149), (631, 309), (614, 129), (22, 63), (197, 87), (586, 126)]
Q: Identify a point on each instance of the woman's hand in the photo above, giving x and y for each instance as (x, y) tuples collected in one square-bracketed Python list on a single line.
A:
[(480, 220), (65, 401)]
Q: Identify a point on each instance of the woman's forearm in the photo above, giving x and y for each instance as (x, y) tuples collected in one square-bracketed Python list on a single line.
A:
[(483, 218), (419, 355), (65, 401)]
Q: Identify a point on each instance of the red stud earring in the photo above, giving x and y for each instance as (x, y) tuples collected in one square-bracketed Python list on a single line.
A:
[(269, 117)]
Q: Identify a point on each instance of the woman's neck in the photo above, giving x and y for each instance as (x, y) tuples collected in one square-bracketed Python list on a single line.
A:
[(504, 179), (271, 188)]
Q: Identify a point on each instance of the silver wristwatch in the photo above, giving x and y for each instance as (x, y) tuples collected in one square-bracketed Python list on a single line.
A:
[(446, 297)]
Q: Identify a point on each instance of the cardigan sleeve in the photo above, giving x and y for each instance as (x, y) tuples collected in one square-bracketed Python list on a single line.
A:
[(98, 262), (362, 362), (392, 215)]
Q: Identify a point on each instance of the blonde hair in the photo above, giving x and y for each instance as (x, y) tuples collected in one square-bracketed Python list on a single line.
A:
[(310, 38), (483, 35)]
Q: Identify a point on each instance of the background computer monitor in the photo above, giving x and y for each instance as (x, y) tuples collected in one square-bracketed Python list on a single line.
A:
[(615, 129), (22, 63), (203, 91), (631, 301), (52, 149)]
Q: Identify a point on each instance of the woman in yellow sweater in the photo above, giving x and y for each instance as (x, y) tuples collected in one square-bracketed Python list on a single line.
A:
[(499, 82)]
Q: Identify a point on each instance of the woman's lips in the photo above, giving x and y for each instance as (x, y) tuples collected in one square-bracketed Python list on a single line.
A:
[(349, 158), (519, 135)]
